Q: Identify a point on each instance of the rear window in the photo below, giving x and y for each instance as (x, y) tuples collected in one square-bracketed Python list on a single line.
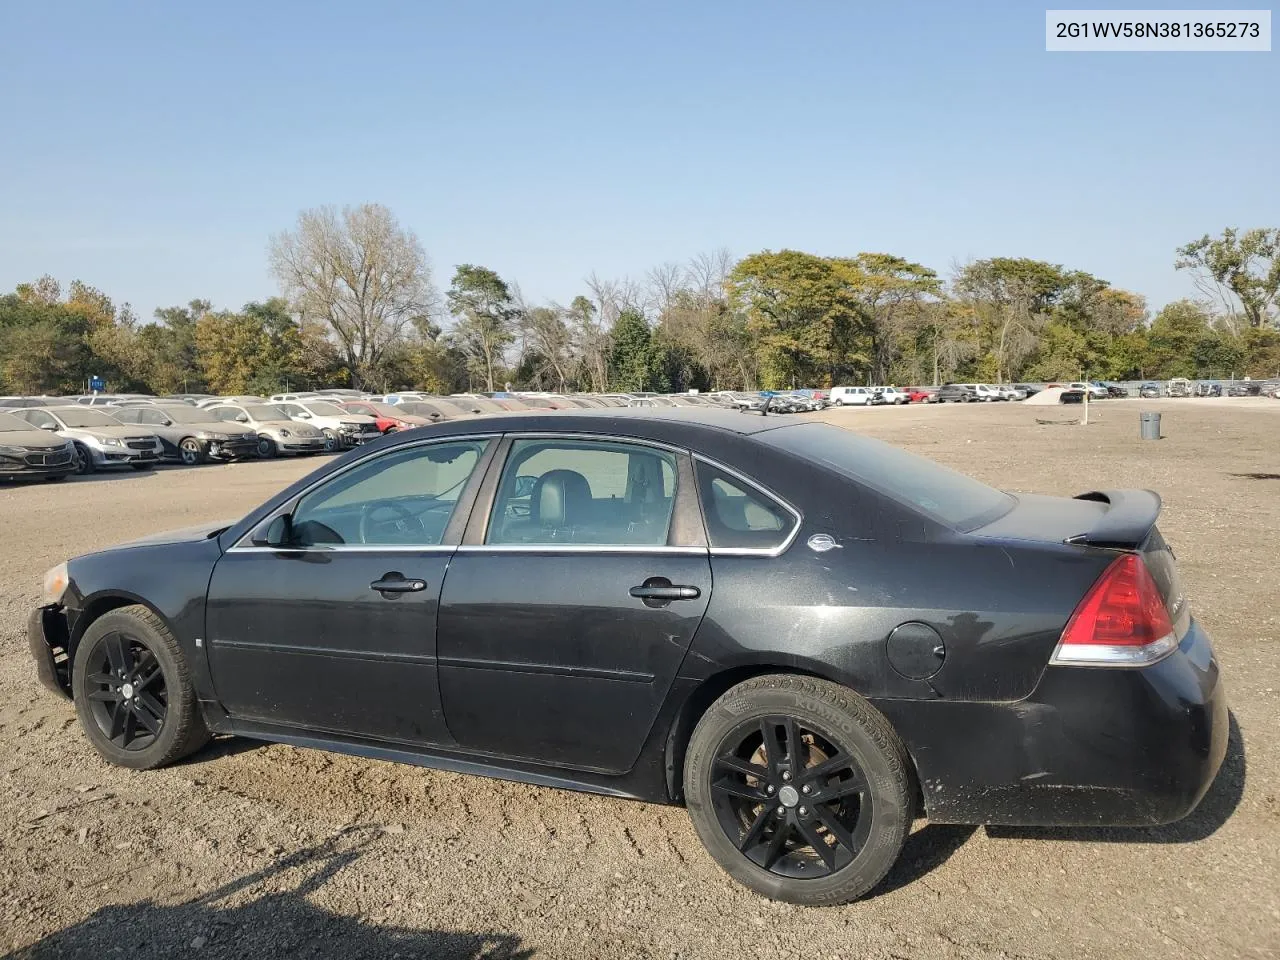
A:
[(939, 492)]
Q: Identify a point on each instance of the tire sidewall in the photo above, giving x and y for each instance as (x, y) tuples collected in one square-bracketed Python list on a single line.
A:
[(181, 702), (882, 761)]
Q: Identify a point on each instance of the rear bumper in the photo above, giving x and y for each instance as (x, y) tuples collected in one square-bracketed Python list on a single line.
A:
[(1090, 747), (47, 639)]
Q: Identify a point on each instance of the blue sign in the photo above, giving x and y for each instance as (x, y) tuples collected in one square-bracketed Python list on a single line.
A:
[(97, 384)]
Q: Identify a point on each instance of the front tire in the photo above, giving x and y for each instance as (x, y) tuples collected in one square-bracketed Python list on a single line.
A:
[(83, 460), (133, 692), (799, 789), (266, 448), (192, 452), (332, 443)]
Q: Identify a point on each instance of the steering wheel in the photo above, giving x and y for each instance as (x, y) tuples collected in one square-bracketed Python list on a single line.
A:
[(405, 521)]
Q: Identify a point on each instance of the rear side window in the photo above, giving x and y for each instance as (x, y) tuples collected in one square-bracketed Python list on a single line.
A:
[(739, 516), (951, 498)]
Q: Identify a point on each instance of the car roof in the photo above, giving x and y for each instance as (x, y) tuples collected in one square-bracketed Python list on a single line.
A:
[(664, 422)]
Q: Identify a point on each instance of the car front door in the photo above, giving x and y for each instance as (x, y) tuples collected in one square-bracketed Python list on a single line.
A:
[(328, 622), (570, 606)]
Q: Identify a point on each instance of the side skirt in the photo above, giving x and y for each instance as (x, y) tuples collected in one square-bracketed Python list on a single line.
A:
[(627, 786)]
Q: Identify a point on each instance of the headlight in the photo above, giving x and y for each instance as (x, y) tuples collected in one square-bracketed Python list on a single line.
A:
[(55, 585), (110, 441), (285, 433)]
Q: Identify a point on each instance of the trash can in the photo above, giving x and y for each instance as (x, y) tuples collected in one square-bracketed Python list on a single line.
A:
[(1150, 426)]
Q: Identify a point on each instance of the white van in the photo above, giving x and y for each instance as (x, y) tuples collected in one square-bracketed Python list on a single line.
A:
[(851, 396)]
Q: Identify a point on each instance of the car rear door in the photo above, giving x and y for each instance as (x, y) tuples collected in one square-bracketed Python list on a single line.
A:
[(569, 608), (335, 631)]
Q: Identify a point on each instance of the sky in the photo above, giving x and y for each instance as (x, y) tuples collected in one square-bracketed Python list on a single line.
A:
[(151, 149)]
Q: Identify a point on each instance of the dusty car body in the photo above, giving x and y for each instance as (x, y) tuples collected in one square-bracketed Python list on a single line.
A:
[(99, 440), (189, 435), (27, 452), (277, 434)]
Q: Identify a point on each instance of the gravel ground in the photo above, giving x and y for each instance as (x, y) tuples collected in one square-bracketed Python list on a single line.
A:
[(249, 850)]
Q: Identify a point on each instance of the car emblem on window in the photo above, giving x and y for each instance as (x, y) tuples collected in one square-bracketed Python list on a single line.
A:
[(822, 542)]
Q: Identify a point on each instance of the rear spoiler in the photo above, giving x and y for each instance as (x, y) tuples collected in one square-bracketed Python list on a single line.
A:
[(1128, 521)]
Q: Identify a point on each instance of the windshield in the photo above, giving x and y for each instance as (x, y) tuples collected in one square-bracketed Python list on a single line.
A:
[(419, 409), (76, 417), (9, 422), (939, 492), (184, 414), (322, 408), (263, 411)]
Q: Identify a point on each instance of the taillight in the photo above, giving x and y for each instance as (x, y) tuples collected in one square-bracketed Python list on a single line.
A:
[(1121, 622)]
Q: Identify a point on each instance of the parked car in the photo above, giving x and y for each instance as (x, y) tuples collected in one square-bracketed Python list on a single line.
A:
[(921, 394), (9, 402), (1149, 391), (388, 417), (955, 393), (98, 439), (341, 428), (1244, 390), (189, 435), (1179, 387), (27, 452), (1009, 392), (1208, 388), (891, 395), (804, 727), (1113, 390), (1095, 391), (240, 399), (851, 396), (293, 397), (985, 392), (1026, 390), (277, 434)]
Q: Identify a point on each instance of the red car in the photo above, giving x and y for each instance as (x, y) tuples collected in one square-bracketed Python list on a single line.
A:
[(388, 416), (919, 394)]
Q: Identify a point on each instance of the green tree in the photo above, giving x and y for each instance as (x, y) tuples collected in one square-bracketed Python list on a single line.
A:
[(1245, 265), (486, 316), (632, 363)]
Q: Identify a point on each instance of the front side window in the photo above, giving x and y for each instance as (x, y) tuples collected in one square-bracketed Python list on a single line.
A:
[(584, 492), (402, 498), (738, 516)]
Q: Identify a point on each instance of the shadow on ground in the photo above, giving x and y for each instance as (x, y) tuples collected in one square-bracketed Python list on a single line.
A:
[(1213, 811), (233, 922)]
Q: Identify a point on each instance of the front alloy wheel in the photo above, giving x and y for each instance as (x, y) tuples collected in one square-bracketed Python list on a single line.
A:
[(191, 451), (133, 692), (331, 441)]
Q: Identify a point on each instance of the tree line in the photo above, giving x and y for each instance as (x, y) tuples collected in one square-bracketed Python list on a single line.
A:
[(358, 307)]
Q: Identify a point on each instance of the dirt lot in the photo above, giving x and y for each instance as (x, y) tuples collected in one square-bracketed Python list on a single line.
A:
[(258, 851)]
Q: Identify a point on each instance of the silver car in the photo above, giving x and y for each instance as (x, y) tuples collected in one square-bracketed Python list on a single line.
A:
[(99, 439), (277, 434), (188, 435)]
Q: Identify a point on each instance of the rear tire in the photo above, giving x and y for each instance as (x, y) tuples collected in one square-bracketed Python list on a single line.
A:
[(133, 692), (746, 798)]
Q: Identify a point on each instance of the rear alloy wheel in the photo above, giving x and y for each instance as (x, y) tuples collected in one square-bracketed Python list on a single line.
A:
[(82, 459), (799, 789), (132, 691), (192, 451)]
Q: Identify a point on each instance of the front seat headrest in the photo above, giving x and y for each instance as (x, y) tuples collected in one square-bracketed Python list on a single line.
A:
[(560, 498)]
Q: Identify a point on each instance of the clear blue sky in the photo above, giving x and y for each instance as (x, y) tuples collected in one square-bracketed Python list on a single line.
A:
[(151, 148)]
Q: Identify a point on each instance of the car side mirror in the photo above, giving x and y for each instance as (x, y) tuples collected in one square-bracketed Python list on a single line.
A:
[(51, 427), (276, 532), (242, 418)]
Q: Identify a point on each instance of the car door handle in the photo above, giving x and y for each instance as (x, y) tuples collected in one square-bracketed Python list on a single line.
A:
[(670, 591), (396, 583)]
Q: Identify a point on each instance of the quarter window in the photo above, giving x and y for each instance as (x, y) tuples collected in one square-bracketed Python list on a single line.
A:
[(584, 492), (403, 498), (739, 516)]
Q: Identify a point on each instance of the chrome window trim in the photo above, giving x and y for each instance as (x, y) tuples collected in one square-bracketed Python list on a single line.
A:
[(577, 548), (357, 548), (346, 548), (786, 505)]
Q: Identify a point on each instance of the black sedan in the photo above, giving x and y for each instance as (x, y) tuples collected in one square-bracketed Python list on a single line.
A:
[(807, 637)]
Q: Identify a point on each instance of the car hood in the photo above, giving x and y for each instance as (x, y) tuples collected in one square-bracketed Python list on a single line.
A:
[(31, 438), (202, 531), (298, 428), (119, 433)]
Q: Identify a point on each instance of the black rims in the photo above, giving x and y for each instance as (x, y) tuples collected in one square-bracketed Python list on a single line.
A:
[(790, 798), (126, 691)]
